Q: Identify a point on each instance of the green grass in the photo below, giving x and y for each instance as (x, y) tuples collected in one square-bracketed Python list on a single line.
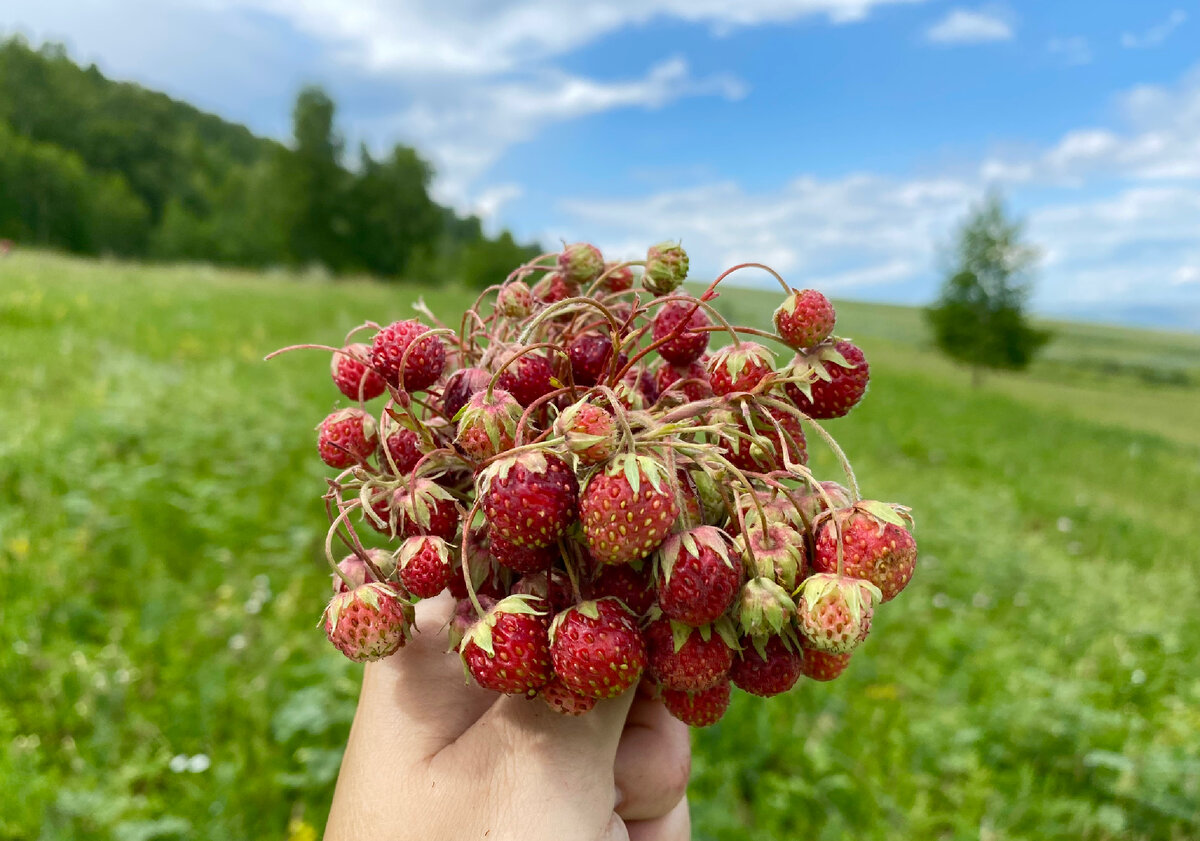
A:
[(161, 577)]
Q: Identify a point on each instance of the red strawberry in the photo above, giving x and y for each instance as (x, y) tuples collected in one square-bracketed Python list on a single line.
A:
[(508, 650), (580, 262), (522, 559), (739, 367), (563, 700), (487, 425), (695, 380), (771, 671), (617, 278), (625, 582), (597, 648), (697, 579), (352, 376), (834, 612), (425, 507), (527, 378), (553, 586), (356, 569), (666, 268), (404, 447), (627, 509), (812, 502), (763, 452), (678, 319), (347, 437), (835, 388), (514, 300), (459, 388), (590, 432), (529, 499), (698, 709), (369, 622), (875, 545), (554, 288), (779, 553), (591, 358), (821, 665), (682, 657), (425, 565), (804, 319), (424, 362)]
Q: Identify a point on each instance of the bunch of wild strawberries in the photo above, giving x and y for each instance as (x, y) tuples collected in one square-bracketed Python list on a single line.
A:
[(605, 497)]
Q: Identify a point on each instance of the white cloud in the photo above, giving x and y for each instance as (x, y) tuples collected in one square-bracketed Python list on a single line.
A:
[(964, 26), (1156, 34), (1073, 51)]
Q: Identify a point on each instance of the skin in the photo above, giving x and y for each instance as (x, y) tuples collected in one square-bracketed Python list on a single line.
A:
[(431, 757)]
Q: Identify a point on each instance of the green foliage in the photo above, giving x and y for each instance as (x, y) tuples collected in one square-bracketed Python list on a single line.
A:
[(979, 317), (161, 581)]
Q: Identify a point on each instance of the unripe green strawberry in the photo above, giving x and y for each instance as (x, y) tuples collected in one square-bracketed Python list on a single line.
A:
[(666, 268), (834, 612), (876, 546), (514, 300), (508, 650), (804, 319), (487, 425), (763, 608), (369, 622), (597, 648), (778, 553), (627, 509), (590, 432), (698, 709), (580, 263), (347, 437)]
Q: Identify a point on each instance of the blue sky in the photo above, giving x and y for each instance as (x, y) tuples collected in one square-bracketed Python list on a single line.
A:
[(839, 140)]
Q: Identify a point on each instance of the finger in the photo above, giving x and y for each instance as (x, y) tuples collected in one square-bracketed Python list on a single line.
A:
[(674, 826), (653, 762)]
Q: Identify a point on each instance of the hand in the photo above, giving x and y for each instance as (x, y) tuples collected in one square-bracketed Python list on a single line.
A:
[(433, 758)]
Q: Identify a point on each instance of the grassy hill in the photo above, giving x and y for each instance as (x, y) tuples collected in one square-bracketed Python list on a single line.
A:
[(161, 576)]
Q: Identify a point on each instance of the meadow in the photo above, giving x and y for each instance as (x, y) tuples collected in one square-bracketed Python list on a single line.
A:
[(161, 577)]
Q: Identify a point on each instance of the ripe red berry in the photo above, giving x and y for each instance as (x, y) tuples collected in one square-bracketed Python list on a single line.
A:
[(508, 650), (527, 378), (773, 674), (874, 546), (425, 565), (678, 319), (553, 586), (627, 509), (697, 578), (834, 612), (617, 279), (694, 385), (404, 447), (352, 376), (804, 319), (424, 361), (591, 358), (821, 665), (369, 622), (347, 437), (836, 388), (623, 581), (698, 709), (764, 452), (522, 559), (356, 569), (597, 648), (459, 388), (739, 367), (425, 507), (682, 657), (554, 288), (529, 499), (563, 700)]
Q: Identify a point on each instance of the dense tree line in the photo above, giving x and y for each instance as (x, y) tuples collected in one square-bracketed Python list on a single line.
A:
[(94, 166)]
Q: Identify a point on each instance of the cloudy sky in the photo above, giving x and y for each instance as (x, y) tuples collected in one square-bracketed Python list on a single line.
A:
[(838, 140)]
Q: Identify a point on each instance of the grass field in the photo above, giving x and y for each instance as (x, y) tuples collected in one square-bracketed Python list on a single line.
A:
[(161, 577)]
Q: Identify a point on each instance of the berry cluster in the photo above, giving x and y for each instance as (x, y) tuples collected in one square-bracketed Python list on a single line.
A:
[(607, 499)]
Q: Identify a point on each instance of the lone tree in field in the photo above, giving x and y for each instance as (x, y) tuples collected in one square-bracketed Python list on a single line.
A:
[(979, 318)]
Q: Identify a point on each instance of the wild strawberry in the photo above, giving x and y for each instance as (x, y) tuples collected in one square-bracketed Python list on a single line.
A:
[(554, 288), (424, 361), (627, 509), (487, 425), (508, 650), (763, 609), (712, 505), (811, 503), (425, 507), (697, 580), (553, 586), (778, 552), (682, 657), (838, 376), (834, 612), (527, 378), (597, 648), (522, 559), (350, 373), (514, 300), (762, 450), (694, 377), (617, 278), (739, 367), (679, 320), (529, 499), (821, 665), (875, 545), (590, 432), (369, 622), (459, 388), (489, 582), (425, 565), (698, 709), (563, 700), (775, 504), (666, 268), (591, 356), (580, 263), (625, 582), (690, 510), (804, 319), (771, 671), (404, 448), (356, 569), (347, 437)]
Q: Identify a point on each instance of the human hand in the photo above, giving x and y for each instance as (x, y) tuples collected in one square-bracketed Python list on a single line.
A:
[(433, 758)]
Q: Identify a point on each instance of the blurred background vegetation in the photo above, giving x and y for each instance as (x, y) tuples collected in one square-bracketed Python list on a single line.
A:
[(160, 529)]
